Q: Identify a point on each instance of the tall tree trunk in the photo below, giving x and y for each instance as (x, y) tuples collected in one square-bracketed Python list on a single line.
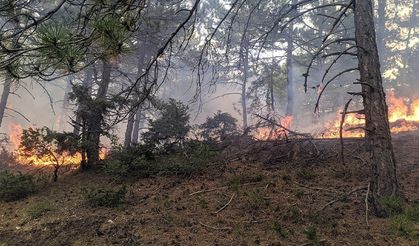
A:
[(384, 179), (87, 83), (66, 103), (95, 120), (244, 57), (137, 121), (4, 97), (290, 75), (131, 131)]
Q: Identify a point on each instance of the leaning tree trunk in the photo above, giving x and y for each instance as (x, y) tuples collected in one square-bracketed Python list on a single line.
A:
[(95, 120), (5, 97), (384, 179)]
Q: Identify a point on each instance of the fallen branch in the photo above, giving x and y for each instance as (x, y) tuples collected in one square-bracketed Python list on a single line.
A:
[(225, 205), (344, 196), (215, 228), (281, 126)]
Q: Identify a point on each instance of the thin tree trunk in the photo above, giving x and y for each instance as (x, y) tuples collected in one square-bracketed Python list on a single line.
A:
[(131, 131), (381, 28), (244, 57), (290, 75), (95, 120), (4, 97), (384, 179)]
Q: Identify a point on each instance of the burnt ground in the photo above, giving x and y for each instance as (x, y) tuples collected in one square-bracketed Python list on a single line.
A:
[(266, 189)]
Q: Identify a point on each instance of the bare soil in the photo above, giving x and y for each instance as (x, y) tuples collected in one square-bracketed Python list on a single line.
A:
[(257, 193)]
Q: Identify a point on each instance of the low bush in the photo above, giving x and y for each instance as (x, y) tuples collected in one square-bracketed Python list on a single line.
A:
[(183, 160), (311, 235), (15, 186), (104, 197)]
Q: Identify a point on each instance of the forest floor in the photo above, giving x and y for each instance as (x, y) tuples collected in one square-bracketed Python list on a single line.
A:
[(260, 195)]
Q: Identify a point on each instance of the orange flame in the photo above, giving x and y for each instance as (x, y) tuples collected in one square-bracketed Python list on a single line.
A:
[(403, 117), (26, 158), (268, 133)]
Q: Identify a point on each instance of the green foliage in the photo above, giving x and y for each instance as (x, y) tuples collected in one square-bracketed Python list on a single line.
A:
[(311, 235), (112, 35), (403, 226), (104, 197), (406, 223), (219, 127), (60, 47), (15, 186), (171, 127), (39, 209), (392, 205)]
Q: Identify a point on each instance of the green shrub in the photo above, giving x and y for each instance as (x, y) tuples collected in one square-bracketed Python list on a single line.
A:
[(402, 226), (392, 205), (279, 229), (116, 168), (412, 213), (311, 235), (39, 209), (104, 197), (15, 186)]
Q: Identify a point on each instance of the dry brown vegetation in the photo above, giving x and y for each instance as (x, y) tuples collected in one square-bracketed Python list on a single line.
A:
[(265, 194)]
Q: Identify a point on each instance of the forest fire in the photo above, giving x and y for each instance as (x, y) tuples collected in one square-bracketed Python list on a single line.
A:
[(403, 117), (25, 157), (270, 133)]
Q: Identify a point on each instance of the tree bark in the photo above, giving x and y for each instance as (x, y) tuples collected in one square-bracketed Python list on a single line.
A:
[(384, 179), (5, 97), (87, 83), (137, 121), (131, 131), (244, 57), (95, 120), (290, 86)]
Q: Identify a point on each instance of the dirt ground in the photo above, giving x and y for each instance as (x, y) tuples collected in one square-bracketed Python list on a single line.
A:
[(267, 194)]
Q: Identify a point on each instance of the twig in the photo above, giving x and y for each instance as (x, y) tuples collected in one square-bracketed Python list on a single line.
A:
[(215, 228), (225, 205), (343, 197), (366, 204), (342, 121)]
